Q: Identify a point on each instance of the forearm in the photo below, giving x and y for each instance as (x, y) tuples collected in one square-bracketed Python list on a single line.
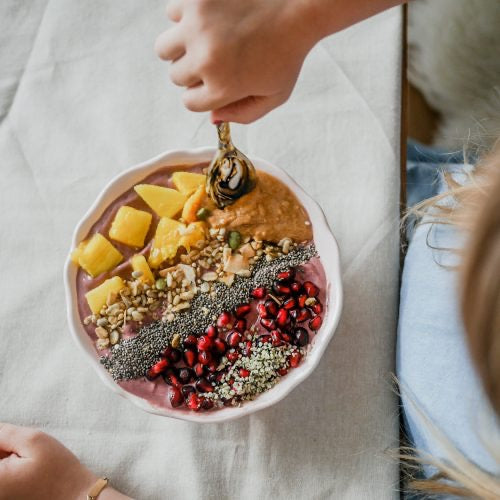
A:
[(325, 17)]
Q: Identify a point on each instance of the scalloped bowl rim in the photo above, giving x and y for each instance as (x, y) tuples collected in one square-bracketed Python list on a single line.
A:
[(325, 243)]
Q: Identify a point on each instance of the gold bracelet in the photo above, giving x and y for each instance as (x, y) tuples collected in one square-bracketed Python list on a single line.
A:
[(95, 491)]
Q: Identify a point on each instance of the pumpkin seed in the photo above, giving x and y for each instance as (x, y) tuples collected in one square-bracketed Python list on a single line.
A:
[(234, 239)]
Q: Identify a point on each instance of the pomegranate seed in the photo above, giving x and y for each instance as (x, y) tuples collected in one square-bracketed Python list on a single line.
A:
[(295, 287), (211, 331), (204, 357), (150, 375), (199, 369), (171, 354), (301, 300), (215, 377), (190, 357), (224, 319), (293, 313), (276, 338), (248, 348), (244, 373), (261, 309), (282, 371), (203, 385), (315, 323), (286, 337), (303, 315), (301, 336), (207, 404), (170, 377), (265, 339), (205, 343), (185, 375), (268, 324), (289, 304), (175, 397), (220, 346), (187, 390), (259, 293), (212, 366), (295, 358), (242, 310), (271, 308), (232, 356), (281, 289), (287, 275), (175, 355), (311, 289), (233, 339), (157, 368), (190, 340), (193, 402), (317, 308), (282, 317), (241, 325)]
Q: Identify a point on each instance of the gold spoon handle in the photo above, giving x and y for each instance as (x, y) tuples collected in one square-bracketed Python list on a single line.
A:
[(224, 133)]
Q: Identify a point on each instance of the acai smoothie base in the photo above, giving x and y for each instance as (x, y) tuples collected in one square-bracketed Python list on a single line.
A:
[(192, 306)]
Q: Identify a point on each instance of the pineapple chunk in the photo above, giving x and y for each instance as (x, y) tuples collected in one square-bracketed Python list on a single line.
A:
[(139, 263), (193, 204), (75, 254), (97, 297), (187, 182), (193, 233), (98, 255), (130, 226), (166, 241), (164, 201)]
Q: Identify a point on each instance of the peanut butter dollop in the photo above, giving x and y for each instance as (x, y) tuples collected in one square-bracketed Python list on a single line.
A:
[(270, 212)]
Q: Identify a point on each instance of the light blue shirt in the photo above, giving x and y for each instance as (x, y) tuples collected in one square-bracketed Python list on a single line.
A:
[(432, 356)]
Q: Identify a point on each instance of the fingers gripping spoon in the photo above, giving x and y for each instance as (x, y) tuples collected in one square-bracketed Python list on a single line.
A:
[(231, 174)]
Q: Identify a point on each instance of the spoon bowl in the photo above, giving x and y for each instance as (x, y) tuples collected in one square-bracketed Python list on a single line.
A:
[(230, 174)]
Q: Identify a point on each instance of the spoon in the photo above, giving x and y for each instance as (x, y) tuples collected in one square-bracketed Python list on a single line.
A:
[(231, 174)]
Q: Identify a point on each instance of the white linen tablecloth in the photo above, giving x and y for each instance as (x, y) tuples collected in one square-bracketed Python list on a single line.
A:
[(82, 96)]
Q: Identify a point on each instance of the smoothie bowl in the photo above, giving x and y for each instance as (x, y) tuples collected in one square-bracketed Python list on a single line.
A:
[(196, 312)]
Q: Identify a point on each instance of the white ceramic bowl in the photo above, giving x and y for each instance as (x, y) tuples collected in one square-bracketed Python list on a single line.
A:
[(325, 244)]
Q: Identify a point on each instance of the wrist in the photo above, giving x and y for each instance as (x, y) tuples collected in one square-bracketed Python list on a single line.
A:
[(110, 493), (325, 17), (300, 18)]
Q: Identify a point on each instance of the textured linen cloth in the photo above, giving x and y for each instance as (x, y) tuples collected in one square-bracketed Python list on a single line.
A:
[(82, 96)]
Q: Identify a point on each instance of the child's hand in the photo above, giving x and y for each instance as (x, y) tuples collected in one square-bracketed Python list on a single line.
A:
[(35, 466), (238, 59)]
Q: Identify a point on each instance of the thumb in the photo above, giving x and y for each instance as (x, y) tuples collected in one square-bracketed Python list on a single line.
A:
[(15, 439), (248, 110)]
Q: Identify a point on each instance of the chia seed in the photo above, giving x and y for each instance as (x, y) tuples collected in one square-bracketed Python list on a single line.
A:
[(133, 357)]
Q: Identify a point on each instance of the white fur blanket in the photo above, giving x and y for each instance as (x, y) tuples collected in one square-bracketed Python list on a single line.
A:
[(454, 56)]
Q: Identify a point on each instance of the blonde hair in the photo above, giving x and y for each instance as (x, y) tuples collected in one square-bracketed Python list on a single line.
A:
[(475, 209)]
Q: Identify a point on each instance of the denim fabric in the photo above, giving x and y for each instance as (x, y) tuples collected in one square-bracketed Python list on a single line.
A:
[(433, 363)]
